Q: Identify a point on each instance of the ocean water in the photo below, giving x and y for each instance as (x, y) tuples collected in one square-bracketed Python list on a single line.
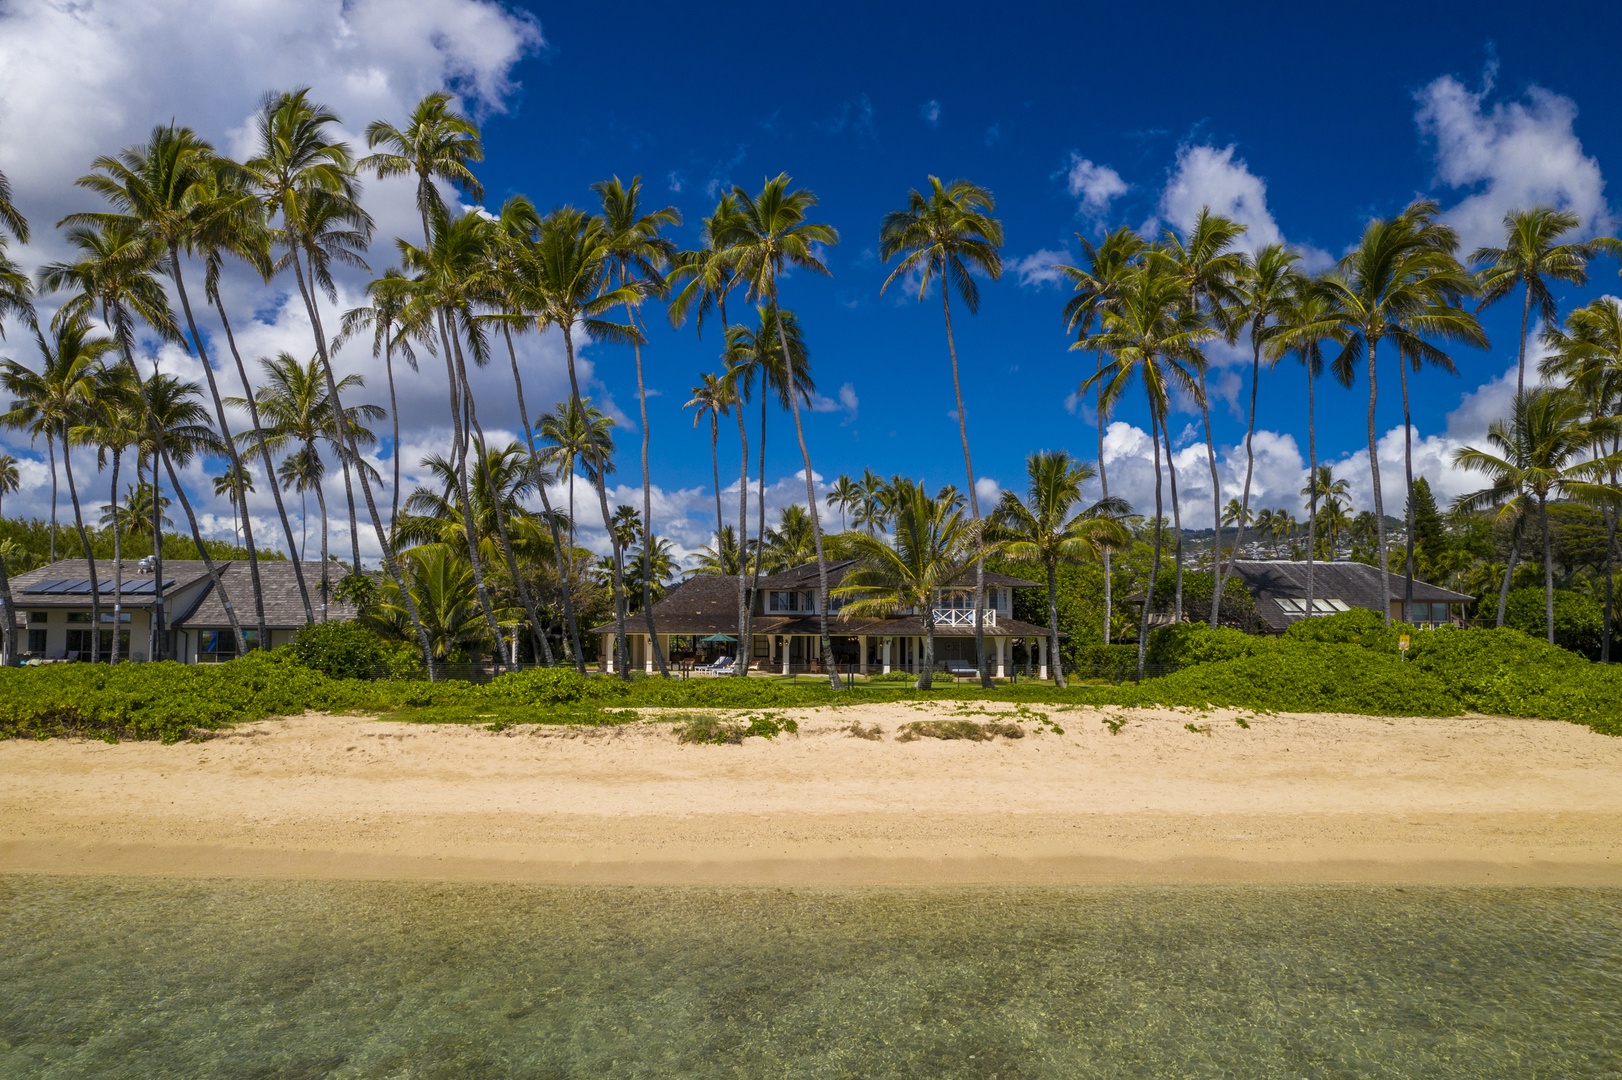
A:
[(221, 979)]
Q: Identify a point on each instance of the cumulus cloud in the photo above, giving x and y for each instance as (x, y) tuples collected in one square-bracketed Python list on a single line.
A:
[(1095, 185), (1205, 176), (1039, 267), (845, 402), (931, 112), (1509, 155)]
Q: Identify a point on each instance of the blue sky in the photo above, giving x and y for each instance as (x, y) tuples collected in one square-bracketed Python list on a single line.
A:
[(1078, 119)]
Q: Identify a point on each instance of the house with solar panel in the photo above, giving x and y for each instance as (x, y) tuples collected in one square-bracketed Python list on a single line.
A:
[(1280, 589), (54, 617)]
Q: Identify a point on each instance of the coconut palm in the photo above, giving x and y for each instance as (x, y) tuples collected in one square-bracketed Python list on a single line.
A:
[(9, 482), (577, 440), (1046, 527), (1096, 284), (307, 180), (772, 235), (845, 495), (113, 423), (932, 547), (949, 235), (1541, 452), (724, 559), (870, 511), (639, 256), (571, 287), (16, 291), (226, 486), (712, 399), (1531, 258), (443, 598), (1151, 333), (385, 316), (791, 543), (437, 143), (1325, 488), (1400, 283)]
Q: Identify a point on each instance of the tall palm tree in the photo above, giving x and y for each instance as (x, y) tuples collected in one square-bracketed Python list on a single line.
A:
[(1306, 320), (933, 546), (1325, 488), (385, 316), (227, 485), (577, 440), (1266, 288), (166, 188), (949, 235), (1096, 284), (711, 399), (437, 143), (1150, 332), (1587, 352), (1401, 283), (54, 402), (113, 423), (307, 179), (11, 218), (844, 496), (1541, 451), (442, 596), (722, 560), (640, 256), (774, 234), (9, 482), (1531, 258), (1211, 270), (571, 286), (1046, 527), (870, 509)]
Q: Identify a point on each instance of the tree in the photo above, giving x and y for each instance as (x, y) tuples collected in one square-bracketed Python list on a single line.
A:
[(1096, 285), (437, 143), (932, 547), (1430, 534), (113, 423), (772, 234), (845, 495), (444, 599), (1401, 282), (9, 482), (949, 235), (790, 544), (1539, 455), (712, 398), (1043, 528), (725, 559), (226, 486), (1531, 258), (385, 316)]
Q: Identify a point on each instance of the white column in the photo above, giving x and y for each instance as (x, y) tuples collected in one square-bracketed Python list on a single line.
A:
[(884, 655), (861, 645), (1042, 658), (608, 652), (786, 651), (647, 652), (1002, 643)]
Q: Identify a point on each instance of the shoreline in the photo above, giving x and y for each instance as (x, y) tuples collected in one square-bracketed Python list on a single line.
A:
[(1310, 799)]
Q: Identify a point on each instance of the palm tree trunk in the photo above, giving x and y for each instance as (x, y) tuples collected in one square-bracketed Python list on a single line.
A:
[(118, 561), (600, 477), (1526, 314), (1154, 564), (1053, 623), (8, 620), (265, 461), (647, 510), (1374, 473), (746, 642), (1176, 524), (1216, 504), (326, 563), (1103, 484), (389, 565), (1509, 572), (974, 501), (538, 478), (760, 504), (1548, 568), (230, 451), (926, 668), (816, 517), (394, 417), (50, 453), (1250, 468), (208, 560), (1408, 513), (90, 556), (715, 467), (1312, 487)]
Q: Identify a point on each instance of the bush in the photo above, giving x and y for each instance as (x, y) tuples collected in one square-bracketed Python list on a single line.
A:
[(1579, 620), (709, 729), (958, 729), (340, 650), (1359, 626), (1182, 644), (1116, 663)]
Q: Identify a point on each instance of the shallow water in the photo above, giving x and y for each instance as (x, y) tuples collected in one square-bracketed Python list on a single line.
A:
[(139, 977)]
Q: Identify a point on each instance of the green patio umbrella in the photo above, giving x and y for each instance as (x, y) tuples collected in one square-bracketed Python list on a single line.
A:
[(718, 639)]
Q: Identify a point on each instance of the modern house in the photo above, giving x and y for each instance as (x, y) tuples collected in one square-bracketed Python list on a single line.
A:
[(1280, 590), (787, 638), (54, 616)]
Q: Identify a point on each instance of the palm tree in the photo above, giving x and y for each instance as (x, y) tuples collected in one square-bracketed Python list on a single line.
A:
[(1150, 332), (1096, 285), (112, 423), (845, 495), (1587, 352), (166, 188), (385, 316), (53, 402), (1324, 485), (790, 544), (577, 439), (870, 513), (773, 233), (1046, 529), (712, 398), (933, 545), (1540, 452), (308, 180), (724, 560), (1531, 258), (639, 256), (1401, 282), (227, 485), (1307, 319), (950, 235), (1211, 271), (572, 266), (10, 217), (1267, 288), (442, 596), (437, 143), (9, 482)]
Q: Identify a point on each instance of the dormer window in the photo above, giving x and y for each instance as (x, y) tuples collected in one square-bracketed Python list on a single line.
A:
[(785, 602)]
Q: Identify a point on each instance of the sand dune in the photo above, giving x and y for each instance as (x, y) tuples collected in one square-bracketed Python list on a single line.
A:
[(1290, 798)]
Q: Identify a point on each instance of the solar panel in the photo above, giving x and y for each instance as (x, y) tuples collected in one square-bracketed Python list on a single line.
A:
[(79, 588), (66, 586), (43, 586)]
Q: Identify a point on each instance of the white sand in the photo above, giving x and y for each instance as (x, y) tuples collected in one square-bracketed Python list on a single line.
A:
[(1291, 798)]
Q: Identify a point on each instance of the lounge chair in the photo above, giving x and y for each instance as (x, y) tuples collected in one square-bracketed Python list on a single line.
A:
[(712, 665), (961, 669), (724, 667)]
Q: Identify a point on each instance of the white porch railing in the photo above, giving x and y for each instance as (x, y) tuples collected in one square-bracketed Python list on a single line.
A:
[(962, 616)]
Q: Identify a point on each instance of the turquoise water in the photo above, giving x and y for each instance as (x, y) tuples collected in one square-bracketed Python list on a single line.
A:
[(139, 978)]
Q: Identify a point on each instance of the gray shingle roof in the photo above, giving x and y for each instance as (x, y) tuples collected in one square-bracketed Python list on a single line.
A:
[(1358, 584), (183, 572), (284, 610)]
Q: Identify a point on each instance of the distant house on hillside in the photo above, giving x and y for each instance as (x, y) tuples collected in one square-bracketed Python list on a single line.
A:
[(54, 612), (1280, 589)]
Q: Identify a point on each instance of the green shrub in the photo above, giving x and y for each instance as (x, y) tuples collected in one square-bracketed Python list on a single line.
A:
[(1116, 663), (1579, 620), (340, 650), (1359, 626), (1182, 644)]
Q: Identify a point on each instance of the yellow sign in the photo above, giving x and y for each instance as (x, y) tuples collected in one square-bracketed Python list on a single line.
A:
[(1402, 643)]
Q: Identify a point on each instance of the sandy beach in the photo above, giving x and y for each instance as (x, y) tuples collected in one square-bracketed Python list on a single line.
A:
[(1314, 798)]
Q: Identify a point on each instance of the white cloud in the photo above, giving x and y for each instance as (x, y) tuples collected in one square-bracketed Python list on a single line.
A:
[(1038, 268), (1095, 185), (845, 402), (1207, 177), (1510, 155), (931, 112), (988, 491)]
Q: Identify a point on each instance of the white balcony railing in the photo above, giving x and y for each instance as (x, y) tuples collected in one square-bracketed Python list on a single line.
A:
[(962, 616)]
